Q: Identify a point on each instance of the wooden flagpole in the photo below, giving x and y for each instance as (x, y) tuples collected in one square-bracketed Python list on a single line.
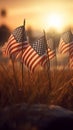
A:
[(48, 63), (22, 54), (14, 73), (54, 48)]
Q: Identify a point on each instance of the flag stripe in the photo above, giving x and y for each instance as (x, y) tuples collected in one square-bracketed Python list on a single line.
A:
[(27, 53), (39, 60), (71, 62), (31, 58), (66, 45)]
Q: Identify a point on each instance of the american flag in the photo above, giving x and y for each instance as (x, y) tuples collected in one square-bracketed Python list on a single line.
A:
[(51, 53), (66, 45), (16, 42), (34, 54), (65, 42)]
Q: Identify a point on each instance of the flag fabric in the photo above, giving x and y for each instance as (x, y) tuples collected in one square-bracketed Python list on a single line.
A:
[(71, 62), (16, 42), (34, 54), (66, 45), (66, 41), (3, 49), (71, 50), (50, 55), (63, 47), (39, 45), (71, 57)]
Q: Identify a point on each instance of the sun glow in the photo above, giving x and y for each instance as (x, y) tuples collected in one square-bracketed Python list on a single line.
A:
[(54, 21)]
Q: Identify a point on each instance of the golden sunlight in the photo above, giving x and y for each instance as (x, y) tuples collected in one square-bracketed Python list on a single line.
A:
[(55, 21)]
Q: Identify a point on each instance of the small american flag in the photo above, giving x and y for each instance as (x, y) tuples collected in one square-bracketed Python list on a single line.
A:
[(16, 42), (65, 42), (66, 45), (34, 54)]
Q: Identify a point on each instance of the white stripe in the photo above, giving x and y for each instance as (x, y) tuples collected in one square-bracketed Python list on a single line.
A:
[(30, 57), (25, 52), (28, 53), (33, 60), (37, 61)]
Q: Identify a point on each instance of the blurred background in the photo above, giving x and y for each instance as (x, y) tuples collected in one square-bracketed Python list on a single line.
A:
[(38, 14), (55, 16)]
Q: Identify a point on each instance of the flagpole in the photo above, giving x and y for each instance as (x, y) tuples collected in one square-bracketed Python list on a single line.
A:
[(14, 73), (22, 54), (48, 63), (54, 48)]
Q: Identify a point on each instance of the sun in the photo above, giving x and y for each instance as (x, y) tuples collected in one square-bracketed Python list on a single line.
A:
[(54, 21)]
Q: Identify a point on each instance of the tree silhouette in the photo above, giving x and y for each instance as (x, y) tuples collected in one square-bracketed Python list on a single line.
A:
[(3, 13), (4, 34), (4, 30)]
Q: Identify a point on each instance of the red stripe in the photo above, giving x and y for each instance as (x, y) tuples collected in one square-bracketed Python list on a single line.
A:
[(33, 63), (28, 56), (26, 52), (37, 64), (31, 59)]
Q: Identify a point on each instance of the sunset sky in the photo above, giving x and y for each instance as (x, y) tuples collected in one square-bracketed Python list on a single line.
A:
[(40, 14)]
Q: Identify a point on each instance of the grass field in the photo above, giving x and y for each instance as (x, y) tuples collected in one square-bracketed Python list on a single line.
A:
[(36, 87)]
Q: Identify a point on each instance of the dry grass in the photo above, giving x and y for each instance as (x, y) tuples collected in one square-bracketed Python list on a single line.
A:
[(36, 87)]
